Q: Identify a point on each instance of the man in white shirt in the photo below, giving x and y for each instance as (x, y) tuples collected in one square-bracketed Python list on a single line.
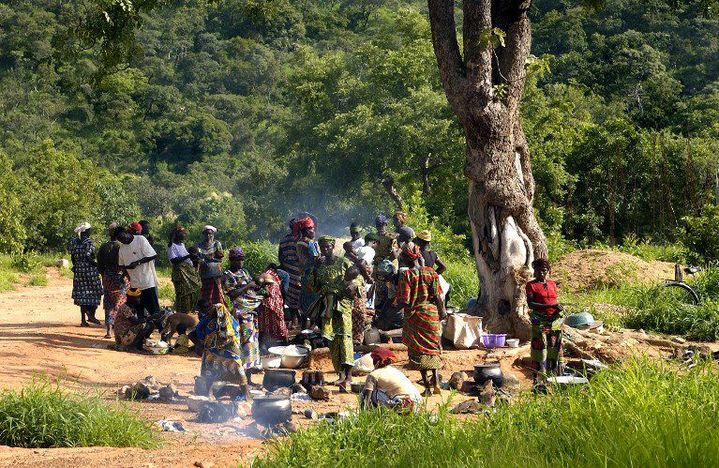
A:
[(137, 257)]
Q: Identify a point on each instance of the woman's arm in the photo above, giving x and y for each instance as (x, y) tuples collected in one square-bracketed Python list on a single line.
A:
[(440, 267)]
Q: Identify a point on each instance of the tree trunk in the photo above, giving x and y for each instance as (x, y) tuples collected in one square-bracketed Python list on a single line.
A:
[(484, 88)]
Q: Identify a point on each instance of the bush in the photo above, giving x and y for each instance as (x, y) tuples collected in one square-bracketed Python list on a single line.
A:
[(43, 415), (671, 416), (700, 235), (259, 254), (462, 276), (27, 262)]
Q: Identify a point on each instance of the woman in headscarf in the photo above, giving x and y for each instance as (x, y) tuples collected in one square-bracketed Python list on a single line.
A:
[(184, 275), (86, 285), (240, 287), (387, 386), (338, 283), (271, 316), (222, 356), (307, 252), (419, 293), (114, 279), (210, 258)]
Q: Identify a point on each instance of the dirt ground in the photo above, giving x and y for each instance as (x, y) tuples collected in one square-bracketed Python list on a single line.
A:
[(583, 270), (40, 336)]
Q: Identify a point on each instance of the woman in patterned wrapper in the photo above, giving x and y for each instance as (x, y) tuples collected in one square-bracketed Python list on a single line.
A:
[(86, 284)]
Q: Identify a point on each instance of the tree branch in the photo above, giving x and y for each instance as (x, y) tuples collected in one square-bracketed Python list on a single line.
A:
[(512, 18), (449, 60), (477, 27)]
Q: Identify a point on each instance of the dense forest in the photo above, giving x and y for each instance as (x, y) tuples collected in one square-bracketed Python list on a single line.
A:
[(240, 113)]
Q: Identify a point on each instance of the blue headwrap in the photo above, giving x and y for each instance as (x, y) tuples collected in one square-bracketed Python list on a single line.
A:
[(380, 220)]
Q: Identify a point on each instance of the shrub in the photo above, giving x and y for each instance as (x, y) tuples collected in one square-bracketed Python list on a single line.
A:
[(700, 235), (671, 417), (462, 276), (43, 415), (259, 254), (27, 262)]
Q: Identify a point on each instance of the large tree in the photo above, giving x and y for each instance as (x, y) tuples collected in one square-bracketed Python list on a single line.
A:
[(484, 82)]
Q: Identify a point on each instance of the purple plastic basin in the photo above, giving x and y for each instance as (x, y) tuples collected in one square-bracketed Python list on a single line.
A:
[(491, 340)]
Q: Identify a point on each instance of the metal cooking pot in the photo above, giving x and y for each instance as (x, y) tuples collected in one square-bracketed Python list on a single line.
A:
[(271, 410), (277, 378), (489, 371)]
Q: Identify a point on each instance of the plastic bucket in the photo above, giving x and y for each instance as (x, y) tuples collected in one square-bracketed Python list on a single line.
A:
[(499, 340), (489, 341)]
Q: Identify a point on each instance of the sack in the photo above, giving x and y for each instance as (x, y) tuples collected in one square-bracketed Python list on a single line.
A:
[(464, 331)]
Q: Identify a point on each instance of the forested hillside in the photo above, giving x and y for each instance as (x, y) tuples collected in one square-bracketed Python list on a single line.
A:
[(241, 112)]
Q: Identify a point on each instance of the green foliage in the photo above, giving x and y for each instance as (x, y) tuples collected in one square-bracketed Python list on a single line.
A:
[(700, 235), (43, 415), (462, 276), (27, 262), (259, 254), (650, 397), (38, 279)]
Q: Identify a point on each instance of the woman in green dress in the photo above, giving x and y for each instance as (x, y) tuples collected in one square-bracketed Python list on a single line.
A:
[(337, 282), (184, 274)]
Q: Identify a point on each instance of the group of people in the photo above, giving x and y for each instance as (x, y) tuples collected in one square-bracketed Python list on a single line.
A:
[(389, 279)]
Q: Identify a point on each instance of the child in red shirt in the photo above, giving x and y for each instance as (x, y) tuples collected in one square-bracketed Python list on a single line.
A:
[(546, 344)]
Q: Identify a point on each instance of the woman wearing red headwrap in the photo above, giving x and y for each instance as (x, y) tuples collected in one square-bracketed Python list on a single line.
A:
[(420, 294), (388, 386)]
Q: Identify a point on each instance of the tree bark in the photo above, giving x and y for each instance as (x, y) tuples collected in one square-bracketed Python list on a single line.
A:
[(484, 89)]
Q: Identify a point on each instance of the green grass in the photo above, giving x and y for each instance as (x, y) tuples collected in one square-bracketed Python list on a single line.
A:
[(167, 291), (33, 264), (643, 414), (43, 415), (38, 279)]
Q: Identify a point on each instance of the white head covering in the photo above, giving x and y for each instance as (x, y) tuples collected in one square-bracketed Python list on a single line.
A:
[(209, 228), (82, 228)]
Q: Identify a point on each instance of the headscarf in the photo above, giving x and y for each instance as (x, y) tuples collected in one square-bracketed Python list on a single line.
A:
[(541, 262), (135, 227), (382, 357), (210, 228), (111, 229), (82, 228), (401, 217), (380, 220), (236, 253), (411, 251), (425, 235), (300, 225), (326, 240), (406, 234)]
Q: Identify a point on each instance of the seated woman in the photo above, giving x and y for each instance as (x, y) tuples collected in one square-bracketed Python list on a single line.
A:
[(388, 386), (221, 357), (131, 331)]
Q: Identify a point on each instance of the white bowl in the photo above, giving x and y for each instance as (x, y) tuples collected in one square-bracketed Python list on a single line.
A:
[(291, 357), (512, 342)]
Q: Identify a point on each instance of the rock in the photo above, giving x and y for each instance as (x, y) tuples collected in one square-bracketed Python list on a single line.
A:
[(151, 382), (456, 381), (168, 393), (298, 388), (468, 386), (487, 394), (282, 391), (318, 392), (511, 382), (311, 414), (678, 339), (291, 427), (139, 391), (195, 402), (242, 409), (63, 264), (203, 464), (123, 392), (467, 407), (216, 412), (227, 390)]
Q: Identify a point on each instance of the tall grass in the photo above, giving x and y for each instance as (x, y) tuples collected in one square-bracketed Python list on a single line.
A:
[(43, 415), (643, 414)]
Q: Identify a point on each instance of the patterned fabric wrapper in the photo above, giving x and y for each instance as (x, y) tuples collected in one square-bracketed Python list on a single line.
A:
[(86, 284), (546, 342), (187, 286), (289, 263), (222, 359), (271, 318), (244, 309), (114, 285), (422, 331), (212, 291)]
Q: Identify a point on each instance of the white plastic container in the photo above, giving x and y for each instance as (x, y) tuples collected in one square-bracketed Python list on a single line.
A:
[(512, 342)]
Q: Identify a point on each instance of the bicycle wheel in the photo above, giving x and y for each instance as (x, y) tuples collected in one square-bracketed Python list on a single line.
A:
[(682, 292)]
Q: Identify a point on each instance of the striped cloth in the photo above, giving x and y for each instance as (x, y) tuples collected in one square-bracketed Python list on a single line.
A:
[(418, 289), (290, 263)]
